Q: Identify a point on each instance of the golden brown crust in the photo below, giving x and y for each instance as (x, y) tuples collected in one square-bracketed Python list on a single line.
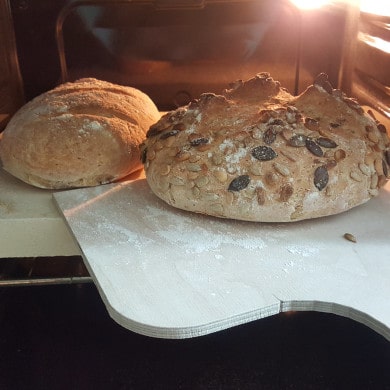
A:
[(79, 134), (258, 153)]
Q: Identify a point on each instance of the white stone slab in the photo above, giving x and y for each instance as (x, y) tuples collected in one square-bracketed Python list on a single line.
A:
[(168, 273), (30, 224)]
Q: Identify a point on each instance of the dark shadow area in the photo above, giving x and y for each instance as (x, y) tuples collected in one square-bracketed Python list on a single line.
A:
[(61, 337)]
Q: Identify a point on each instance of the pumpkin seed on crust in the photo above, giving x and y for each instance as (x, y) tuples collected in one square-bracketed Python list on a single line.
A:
[(326, 142), (199, 141), (313, 147), (321, 177), (263, 153), (168, 134), (239, 183)]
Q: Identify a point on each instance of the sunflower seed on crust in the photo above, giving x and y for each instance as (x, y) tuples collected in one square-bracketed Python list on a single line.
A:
[(365, 169), (221, 175), (373, 137), (285, 192), (260, 196), (182, 155), (271, 178), (298, 140), (378, 165), (356, 176), (282, 169), (374, 181), (312, 124), (339, 155)]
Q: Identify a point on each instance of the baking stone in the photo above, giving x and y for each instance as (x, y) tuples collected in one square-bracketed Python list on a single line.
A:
[(168, 273)]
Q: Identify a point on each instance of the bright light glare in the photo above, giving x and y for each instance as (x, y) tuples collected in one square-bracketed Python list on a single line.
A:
[(376, 42), (309, 4), (377, 7)]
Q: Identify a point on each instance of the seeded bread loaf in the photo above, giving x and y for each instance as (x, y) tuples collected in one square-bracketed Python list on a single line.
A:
[(257, 153), (79, 134)]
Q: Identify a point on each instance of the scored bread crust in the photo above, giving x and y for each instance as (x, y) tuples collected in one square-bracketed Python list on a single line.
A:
[(257, 153), (82, 133)]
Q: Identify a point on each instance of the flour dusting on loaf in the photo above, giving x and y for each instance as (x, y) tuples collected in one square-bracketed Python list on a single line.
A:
[(82, 133), (257, 153)]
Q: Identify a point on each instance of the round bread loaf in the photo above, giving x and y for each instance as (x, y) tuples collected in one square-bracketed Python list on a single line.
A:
[(79, 134), (257, 153)]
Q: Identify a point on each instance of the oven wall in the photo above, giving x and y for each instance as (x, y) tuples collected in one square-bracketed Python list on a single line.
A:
[(176, 54), (11, 89)]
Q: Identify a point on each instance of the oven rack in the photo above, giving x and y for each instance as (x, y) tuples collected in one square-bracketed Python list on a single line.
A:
[(40, 271)]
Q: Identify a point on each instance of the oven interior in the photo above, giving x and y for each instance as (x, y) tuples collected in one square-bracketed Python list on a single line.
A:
[(174, 50)]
